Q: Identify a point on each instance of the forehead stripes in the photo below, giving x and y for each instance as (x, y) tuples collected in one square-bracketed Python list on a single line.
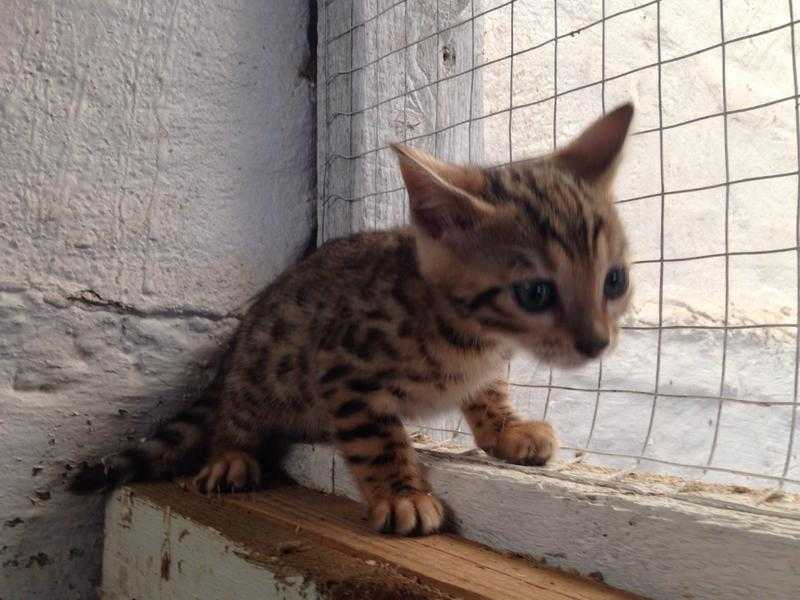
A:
[(555, 204)]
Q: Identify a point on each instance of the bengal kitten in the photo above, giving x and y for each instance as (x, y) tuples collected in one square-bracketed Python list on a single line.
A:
[(381, 326)]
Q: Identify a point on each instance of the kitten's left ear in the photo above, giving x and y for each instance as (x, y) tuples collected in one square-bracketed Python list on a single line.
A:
[(594, 155)]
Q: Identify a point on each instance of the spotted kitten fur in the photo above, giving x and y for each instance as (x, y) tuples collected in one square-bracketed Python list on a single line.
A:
[(403, 323)]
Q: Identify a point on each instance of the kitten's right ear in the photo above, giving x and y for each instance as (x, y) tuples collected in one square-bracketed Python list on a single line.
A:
[(442, 197)]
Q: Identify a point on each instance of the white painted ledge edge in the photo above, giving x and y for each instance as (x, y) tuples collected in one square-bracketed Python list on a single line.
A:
[(197, 562), (652, 544)]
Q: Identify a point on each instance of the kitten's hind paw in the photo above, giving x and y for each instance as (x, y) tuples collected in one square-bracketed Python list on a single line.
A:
[(232, 470), (417, 513)]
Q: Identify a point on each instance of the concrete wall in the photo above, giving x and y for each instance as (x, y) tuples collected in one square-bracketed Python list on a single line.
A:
[(156, 170)]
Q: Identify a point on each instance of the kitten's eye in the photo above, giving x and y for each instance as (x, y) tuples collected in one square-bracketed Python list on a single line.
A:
[(616, 283), (535, 295)]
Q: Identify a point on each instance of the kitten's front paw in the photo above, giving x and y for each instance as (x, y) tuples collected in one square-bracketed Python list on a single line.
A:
[(525, 443), (416, 513)]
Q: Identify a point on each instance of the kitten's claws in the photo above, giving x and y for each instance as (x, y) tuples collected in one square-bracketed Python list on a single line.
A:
[(417, 513), (232, 470)]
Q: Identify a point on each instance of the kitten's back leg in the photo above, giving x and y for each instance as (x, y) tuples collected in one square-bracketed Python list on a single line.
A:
[(230, 469), (232, 464)]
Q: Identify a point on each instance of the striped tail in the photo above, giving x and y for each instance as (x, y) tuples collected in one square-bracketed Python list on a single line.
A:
[(178, 447)]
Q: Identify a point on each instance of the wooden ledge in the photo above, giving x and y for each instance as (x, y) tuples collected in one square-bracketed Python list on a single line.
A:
[(307, 542)]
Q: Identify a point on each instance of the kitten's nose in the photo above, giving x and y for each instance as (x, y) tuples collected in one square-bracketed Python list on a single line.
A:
[(591, 346)]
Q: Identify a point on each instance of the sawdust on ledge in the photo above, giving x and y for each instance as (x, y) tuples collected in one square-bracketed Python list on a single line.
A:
[(767, 500)]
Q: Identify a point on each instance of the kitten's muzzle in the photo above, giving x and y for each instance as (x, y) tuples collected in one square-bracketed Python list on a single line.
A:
[(591, 346)]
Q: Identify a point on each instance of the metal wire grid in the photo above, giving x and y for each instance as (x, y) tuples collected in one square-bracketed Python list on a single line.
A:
[(366, 45)]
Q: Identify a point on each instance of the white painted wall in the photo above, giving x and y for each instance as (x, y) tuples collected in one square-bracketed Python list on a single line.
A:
[(156, 170)]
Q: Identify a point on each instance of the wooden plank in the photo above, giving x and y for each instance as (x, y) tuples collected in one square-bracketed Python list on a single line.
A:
[(340, 552), (162, 541), (445, 562)]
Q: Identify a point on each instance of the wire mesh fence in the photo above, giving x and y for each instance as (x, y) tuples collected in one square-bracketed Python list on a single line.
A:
[(704, 381)]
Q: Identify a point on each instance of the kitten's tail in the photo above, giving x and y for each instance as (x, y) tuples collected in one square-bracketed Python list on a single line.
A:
[(178, 447)]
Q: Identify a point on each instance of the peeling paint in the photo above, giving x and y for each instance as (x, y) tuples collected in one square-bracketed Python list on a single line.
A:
[(126, 513), (165, 564), (166, 553)]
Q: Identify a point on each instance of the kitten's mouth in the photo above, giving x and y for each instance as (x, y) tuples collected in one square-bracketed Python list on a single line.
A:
[(574, 361), (562, 360)]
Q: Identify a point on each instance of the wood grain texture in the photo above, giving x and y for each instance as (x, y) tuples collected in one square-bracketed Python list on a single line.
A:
[(444, 561), (333, 527)]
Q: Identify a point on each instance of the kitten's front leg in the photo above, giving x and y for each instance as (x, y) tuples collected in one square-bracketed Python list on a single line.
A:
[(500, 432), (379, 454)]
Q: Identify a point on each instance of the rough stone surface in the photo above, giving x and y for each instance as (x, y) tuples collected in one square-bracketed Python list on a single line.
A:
[(156, 170)]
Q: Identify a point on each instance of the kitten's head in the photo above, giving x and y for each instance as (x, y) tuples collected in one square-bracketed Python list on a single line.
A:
[(534, 252)]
